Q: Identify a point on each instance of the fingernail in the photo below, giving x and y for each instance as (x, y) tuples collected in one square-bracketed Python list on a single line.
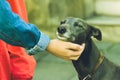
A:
[(82, 46)]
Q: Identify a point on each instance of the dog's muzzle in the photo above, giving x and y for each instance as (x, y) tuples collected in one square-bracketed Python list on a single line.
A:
[(64, 33), (61, 33)]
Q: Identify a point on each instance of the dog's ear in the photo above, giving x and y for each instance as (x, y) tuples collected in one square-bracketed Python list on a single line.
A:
[(95, 32)]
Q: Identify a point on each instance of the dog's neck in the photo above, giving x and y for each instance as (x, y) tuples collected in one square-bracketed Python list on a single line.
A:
[(90, 55), (88, 59)]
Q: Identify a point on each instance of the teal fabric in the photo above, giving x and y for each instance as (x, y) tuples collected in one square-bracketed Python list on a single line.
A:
[(15, 31)]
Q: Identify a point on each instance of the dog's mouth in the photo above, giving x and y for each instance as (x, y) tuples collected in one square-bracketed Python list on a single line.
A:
[(65, 37)]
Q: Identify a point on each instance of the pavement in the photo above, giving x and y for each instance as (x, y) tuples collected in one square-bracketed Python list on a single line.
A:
[(50, 67)]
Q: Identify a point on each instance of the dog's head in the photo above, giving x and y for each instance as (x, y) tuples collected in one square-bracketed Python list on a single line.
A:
[(77, 31)]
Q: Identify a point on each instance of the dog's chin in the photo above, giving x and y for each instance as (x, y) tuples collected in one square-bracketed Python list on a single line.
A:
[(62, 38), (65, 37), (70, 39)]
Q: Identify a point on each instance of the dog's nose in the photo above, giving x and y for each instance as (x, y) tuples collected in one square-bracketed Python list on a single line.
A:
[(61, 30)]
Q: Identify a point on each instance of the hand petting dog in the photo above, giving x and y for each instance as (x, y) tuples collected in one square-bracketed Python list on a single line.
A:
[(66, 50)]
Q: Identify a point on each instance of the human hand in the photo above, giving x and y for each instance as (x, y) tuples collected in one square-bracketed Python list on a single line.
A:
[(65, 50)]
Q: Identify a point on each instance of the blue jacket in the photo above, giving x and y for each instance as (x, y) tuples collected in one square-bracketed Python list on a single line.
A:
[(15, 31)]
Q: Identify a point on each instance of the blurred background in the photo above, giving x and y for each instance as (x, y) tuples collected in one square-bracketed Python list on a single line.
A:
[(46, 14)]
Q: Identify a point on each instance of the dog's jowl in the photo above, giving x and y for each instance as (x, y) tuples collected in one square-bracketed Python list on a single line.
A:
[(92, 64)]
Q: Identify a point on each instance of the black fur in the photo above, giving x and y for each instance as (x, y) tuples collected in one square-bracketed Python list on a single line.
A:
[(80, 32)]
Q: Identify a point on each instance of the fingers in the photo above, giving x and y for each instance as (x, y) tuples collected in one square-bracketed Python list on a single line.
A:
[(76, 51), (75, 47), (72, 57), (75, 56)]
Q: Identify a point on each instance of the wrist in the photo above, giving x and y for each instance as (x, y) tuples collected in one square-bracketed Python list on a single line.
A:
[(41, 45)]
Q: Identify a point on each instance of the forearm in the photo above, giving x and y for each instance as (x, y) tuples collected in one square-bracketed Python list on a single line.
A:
[(15, 31)]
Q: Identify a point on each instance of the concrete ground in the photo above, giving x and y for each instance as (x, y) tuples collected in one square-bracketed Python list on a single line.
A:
[(50, 67)]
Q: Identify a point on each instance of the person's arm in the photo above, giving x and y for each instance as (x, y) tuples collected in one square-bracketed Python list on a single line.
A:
[(15, 31)]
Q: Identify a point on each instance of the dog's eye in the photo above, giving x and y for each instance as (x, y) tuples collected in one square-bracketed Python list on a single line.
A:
[(76, 24), (63, 21), (80, 26)]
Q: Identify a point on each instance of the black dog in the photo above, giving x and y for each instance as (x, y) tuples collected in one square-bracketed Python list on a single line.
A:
[(92, 65)]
